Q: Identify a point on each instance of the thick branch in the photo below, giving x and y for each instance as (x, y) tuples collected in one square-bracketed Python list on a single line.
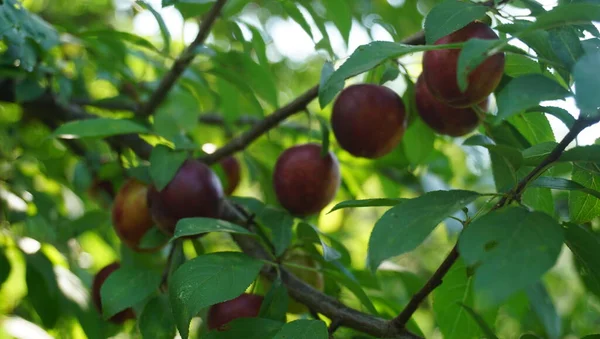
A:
[(184, 60), (437, 277)]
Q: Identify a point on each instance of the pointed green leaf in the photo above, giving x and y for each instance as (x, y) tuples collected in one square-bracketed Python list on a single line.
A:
[(207, 280), (126, 287), (402, 228), (164, 164), (194, 226), (450, 16), (511, 249), (98, 128), (367, 203), (303, 329)]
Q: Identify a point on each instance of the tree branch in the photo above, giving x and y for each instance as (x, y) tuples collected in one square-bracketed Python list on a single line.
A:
[(437, 277), (217, 120), (184, 60), (272, 120)]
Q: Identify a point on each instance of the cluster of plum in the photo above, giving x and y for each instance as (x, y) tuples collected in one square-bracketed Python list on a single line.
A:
[(368, 121)]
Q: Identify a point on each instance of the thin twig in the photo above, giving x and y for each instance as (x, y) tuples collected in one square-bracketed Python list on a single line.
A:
[(218, 120), (272, 120), (184, 60), (437, 277)]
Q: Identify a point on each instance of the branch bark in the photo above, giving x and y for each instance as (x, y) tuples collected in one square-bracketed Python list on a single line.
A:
[(438, 276), (184, 60)]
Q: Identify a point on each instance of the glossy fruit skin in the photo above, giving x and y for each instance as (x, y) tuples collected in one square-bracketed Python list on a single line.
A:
[(368, 120), (131, 216), (440, 69), (314, 279), (442, 118), (304, 181), (244, 306), (231, 167), (99, 279), (195, 191)]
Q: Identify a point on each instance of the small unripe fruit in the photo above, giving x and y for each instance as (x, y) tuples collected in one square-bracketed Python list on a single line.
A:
[(130, 214), (368, 120), (195, 191), (444, 119), (231, 167), (304, 181), (244, 306), (99, 279), (441, 66)]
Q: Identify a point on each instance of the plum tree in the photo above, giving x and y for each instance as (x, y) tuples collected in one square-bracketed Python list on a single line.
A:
[(440, 69), (244, 306), (231, 167), (444, 119), (304, 181), (368, 120), (131, 216), (97, 283), (195, 191)]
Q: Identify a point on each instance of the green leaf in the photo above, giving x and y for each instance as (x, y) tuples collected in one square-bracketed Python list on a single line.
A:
[(333, 89), (309, 233), (586, 75), (294, 12), (324, 136), (584, 244), (363, 59), (153, 238), (98, 128), (589, 153), (109, 34), (5, 266), (367, 203), (453, 320), (340, 13), (559, 113), (247, 328), (517, 65), (156, 320), (255, 75), (535, 154), (450, 16), (164, 164), (525, 92), (42, 288), (563, 184), (534, 126), (89, 221), (207, 280), (566, 45), (140, 173), (275, 304), (280, 224), (473, 53), (542, 305), (511, 249), (418, 141), (567, 14), (481, 322), (354, 286), (303, 329), (584, 207), (402, 228), (193, 226), (164, 31), (126, 287), (29, 89)]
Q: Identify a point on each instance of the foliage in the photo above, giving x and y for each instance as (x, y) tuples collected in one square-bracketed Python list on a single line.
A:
[(494, 234)]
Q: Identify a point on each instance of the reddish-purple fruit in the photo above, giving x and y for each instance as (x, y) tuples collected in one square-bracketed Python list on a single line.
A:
[(244, 306), (368, 120), (130, 214), (440, 69), (442, 118), (195, 191), (304, 181), (231, 167), (99, 279)]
